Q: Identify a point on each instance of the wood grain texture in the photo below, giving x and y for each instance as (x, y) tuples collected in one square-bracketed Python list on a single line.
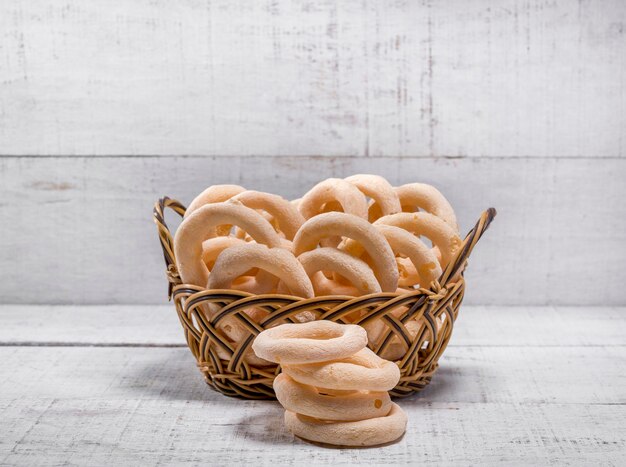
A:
[(158, 326), (80, 229), (370, 78), (98, 325), (157, 432), (491, 402), (490, 374)]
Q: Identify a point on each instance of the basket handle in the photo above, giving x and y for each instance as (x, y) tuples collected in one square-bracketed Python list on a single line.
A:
[(468, 245), (165, 236)]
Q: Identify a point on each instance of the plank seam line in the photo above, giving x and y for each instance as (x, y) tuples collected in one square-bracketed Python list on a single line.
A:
[(300, 156), (411, 403), (540, 403)]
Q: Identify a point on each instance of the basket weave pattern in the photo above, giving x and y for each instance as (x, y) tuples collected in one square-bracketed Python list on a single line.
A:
[(435, 309)]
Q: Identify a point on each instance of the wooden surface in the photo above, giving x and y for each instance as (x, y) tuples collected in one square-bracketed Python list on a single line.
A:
[(108, 104), (115, 385), (80, 229), (372, 78)]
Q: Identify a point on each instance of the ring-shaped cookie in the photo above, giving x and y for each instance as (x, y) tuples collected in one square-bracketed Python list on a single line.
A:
[(423, 258), (378, 189), (358, 278), (423, 196), (277, 263), (312, 402), (408, 272), (212, 247), (213, 194), (437, 230), (341, 224), (237, 260), (362, 371), (268, 217), (201, 226), (286, 215), (428, 198), (423, 267), (330, 190), (253, 281), (313, 342), (371, 432), (356, 271)]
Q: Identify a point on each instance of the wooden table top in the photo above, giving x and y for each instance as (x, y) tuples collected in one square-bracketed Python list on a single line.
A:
[(115, 385)]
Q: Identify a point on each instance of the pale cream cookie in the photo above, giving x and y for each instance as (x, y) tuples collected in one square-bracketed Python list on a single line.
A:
[(370, 432), (346, 195), (313, 342), (379, 190), (202, 225), (360, 230), (319, 403), (362, 371)]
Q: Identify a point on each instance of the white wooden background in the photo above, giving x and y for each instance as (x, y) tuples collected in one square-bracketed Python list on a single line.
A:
[(107, 104)]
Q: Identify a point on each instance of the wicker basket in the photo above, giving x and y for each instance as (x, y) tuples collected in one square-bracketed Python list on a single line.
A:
[(435, 309)]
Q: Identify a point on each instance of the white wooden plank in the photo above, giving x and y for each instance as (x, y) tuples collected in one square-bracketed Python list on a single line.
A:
[(541, 403), (80, 229), (538, 78), (235, 432), (521, 375), (96, 405), (112, 325), (157, 325), (540, 326)]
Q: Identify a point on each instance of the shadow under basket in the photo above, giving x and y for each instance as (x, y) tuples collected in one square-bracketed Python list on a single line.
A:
[(435, 309)]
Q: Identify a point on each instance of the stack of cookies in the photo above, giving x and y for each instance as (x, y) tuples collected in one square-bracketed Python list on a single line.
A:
[(334, 389)]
